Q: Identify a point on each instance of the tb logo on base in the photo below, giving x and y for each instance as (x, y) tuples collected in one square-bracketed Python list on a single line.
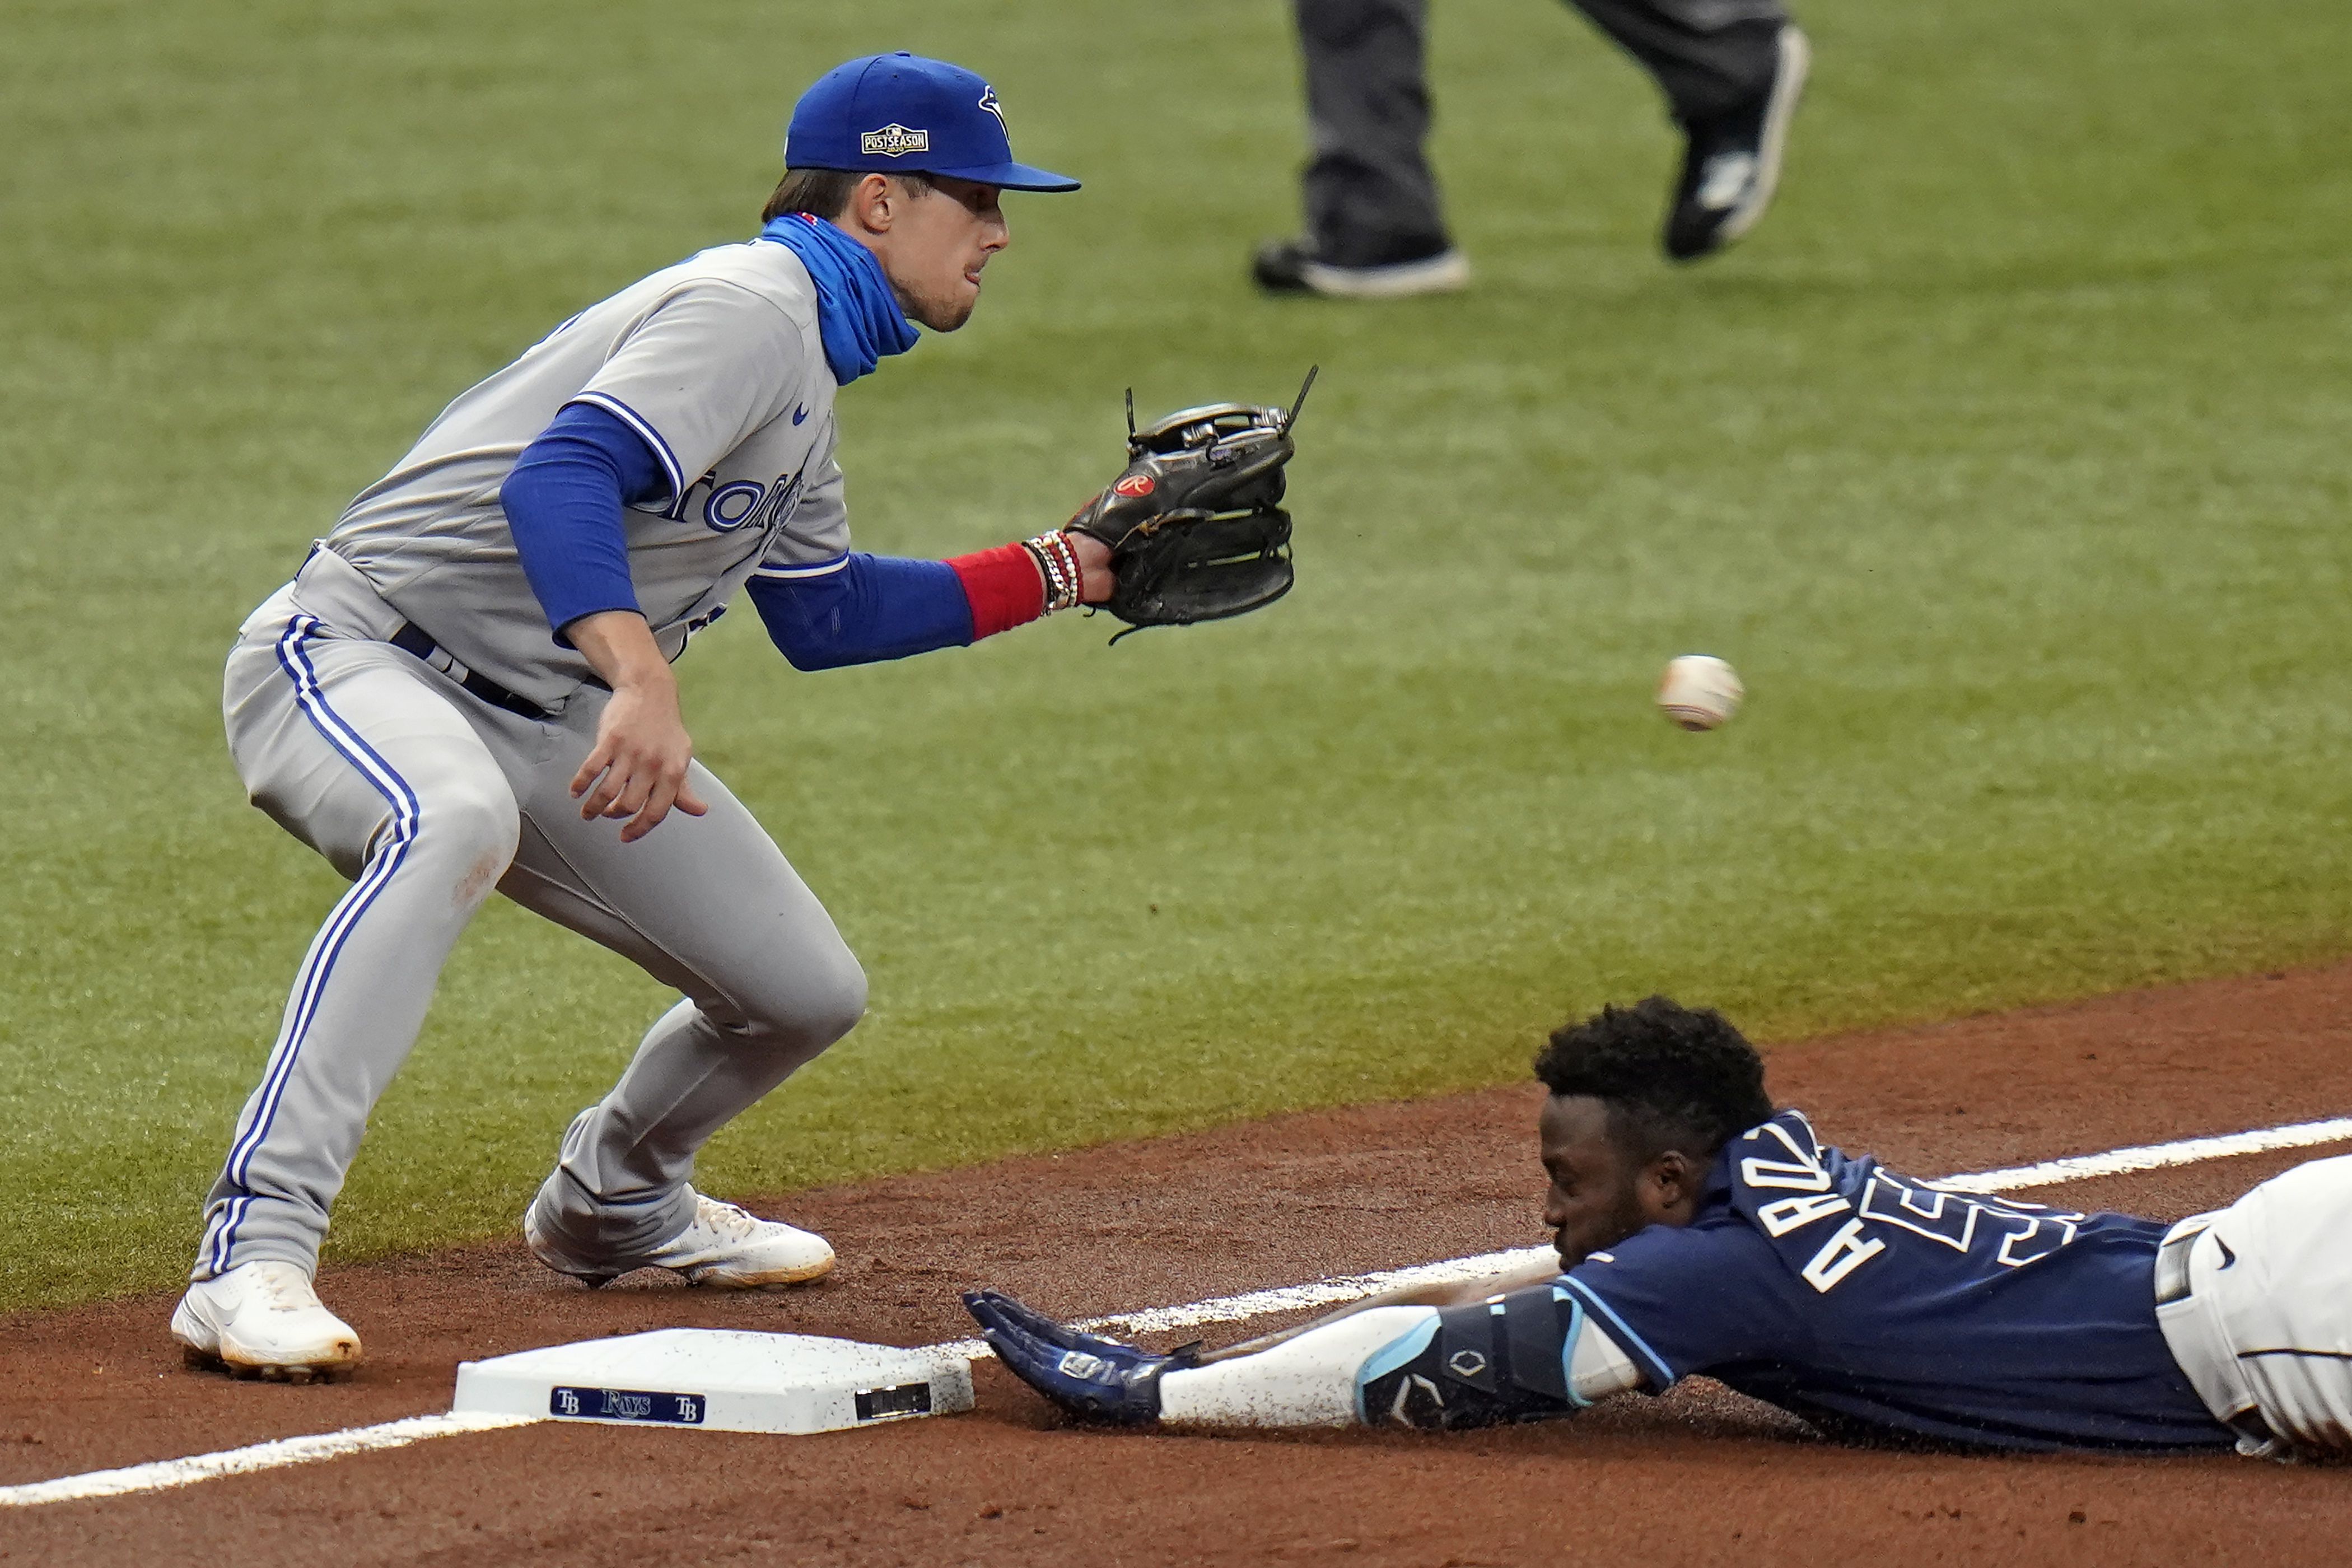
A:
[(626, 1404)]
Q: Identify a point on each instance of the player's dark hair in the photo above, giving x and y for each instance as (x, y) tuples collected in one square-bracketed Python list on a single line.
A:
[(1672, 1077), (824, 193)]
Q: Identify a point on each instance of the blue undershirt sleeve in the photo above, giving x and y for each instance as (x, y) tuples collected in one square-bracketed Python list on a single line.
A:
[(875, 608), (563, 503)]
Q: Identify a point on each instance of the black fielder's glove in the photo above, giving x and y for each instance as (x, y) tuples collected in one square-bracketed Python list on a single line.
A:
[(1089, 1376), (1195, 525)]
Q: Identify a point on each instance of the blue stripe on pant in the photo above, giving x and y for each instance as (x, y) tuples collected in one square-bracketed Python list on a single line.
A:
[(319, 965)]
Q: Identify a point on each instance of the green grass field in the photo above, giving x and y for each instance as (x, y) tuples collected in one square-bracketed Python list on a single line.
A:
[(2007, 461)]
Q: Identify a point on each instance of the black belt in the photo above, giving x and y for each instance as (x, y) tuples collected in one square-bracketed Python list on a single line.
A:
[(413, 639), (2172, 1267)]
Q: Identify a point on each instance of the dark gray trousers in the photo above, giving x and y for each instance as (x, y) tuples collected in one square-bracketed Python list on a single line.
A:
[(1370, 197)]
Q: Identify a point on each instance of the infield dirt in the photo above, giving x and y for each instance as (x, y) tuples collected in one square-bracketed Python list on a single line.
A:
[(1697, 1477)]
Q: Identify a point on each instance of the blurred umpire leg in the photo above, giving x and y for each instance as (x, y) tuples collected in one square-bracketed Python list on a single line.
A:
[(1373, 229), (710, 906), (1732, 71)]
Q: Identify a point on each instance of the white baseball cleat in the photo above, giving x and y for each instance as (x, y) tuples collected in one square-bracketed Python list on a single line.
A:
[(263, 1319), (724, 1246)]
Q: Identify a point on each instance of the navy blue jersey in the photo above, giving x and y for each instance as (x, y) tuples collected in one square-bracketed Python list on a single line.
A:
[(1862, 1299)]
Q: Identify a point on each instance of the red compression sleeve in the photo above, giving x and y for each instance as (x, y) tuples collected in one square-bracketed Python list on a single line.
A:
[(1003, 587)]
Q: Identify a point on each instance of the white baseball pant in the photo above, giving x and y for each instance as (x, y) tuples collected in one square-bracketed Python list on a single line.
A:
[(2255, 1300)]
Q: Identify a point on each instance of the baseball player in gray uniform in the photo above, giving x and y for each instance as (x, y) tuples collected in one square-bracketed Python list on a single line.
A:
[(468, 687)]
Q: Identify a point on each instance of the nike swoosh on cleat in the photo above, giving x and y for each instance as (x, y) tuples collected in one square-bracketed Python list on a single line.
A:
[(2228, 1257), (800, 414)]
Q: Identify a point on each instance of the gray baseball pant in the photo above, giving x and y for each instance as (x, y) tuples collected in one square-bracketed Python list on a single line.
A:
[(427, 798), (1370, 196)]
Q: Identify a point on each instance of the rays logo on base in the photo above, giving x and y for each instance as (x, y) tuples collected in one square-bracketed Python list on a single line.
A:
[(894, 140), (625, 1404)]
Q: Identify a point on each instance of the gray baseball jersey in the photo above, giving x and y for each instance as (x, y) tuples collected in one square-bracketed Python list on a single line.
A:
[(718, 364)]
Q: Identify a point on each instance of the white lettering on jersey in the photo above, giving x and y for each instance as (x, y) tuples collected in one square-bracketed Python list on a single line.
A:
[(1921, 1211), (2028, 1231), (1841, 1256), (2038, 1240), (1801, 1171), (1785, 1214)]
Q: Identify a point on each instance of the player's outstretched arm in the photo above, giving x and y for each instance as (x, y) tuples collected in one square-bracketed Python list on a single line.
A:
[(861, 609), (1521, 1356), (1460, 1292)]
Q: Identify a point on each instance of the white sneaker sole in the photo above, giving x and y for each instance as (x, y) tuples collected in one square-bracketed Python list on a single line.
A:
[(719, 1277), (1443, 273), (201, 1345), (708, 1275), (1787, 86)]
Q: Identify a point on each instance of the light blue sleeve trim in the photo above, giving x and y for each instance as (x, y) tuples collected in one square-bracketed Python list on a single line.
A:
[(1576, 1321), (1627, 1339), (645, 432), (1392, 1356)]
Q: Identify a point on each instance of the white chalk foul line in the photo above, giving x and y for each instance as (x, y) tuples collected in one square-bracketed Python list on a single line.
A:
[(165, 1473), (284, 1451), (1331, 1292), (2152, 1156)]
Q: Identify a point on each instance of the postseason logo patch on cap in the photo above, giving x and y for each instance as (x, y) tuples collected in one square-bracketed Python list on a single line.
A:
[(880, 113), (894, 140)]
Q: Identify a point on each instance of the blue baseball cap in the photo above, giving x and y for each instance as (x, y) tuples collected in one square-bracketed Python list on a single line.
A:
[(888, 114)]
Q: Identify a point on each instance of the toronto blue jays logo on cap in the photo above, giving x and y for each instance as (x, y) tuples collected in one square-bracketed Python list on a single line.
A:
[(902, 113)]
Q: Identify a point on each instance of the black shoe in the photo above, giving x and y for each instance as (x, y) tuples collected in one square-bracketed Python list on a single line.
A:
[(1290, 266), (1731, 165)]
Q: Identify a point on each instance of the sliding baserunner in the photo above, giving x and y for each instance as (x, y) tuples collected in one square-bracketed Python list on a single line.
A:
[(468, 687), (1699, 1231)]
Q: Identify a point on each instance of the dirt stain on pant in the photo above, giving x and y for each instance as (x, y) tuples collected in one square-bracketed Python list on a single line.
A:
[(479, 878)]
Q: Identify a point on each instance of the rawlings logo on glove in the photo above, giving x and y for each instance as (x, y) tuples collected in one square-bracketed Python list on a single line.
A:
[(1195, 526)]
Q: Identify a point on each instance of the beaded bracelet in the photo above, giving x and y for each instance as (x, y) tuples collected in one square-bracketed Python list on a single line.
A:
[(1045, 571), (1068, 552), (1057, 563), (1066, 585), (1050, 570)]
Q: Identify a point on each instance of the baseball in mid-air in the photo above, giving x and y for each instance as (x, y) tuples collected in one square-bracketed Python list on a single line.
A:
[(1699, 692)]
